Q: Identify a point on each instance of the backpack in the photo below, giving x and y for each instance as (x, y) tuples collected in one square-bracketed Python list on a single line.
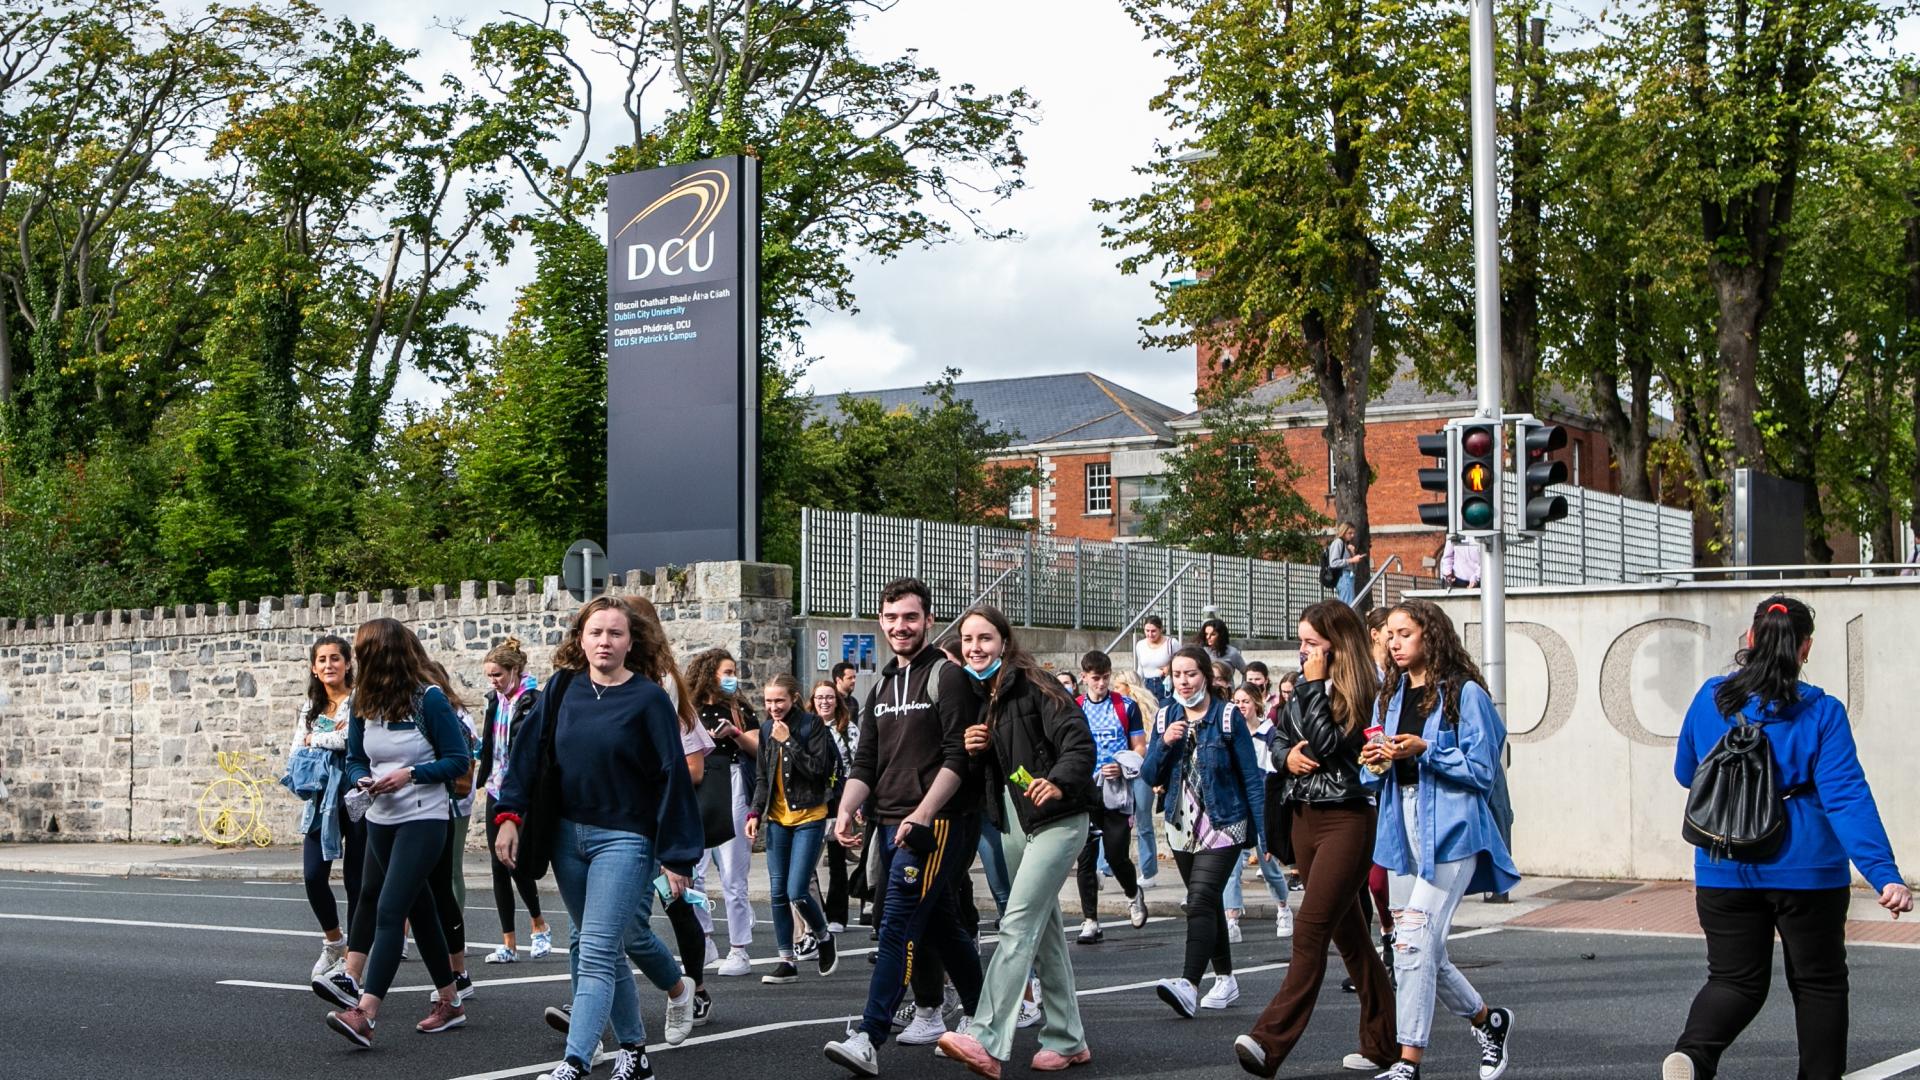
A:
[(1329, 575), (1735, 808)]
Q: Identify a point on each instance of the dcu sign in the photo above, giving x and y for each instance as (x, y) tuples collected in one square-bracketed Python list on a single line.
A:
[(683, 386)]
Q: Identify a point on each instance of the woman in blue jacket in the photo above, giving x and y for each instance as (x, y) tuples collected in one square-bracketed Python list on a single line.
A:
[(1202, 755), (1801, 893), (1437, 765)]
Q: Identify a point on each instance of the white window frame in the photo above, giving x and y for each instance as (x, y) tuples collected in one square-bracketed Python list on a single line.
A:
[(1245, 457), (1020, 504), (1100, 493)]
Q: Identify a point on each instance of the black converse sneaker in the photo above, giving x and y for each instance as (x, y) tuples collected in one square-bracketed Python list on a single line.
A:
[(828, 955), (1493, 1037), (630, 1063)]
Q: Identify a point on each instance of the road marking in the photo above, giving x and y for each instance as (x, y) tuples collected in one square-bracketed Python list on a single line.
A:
[(157, 925), (1905, 1063), (1671, 936)]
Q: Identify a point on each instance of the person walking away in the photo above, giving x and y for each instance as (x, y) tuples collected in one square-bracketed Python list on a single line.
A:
[(405, 749), (830, 708), (845, 676), (1326, 810), (327, 832), (1118, 731), (925, 789), (715, 681), (1221, 650), (1343, 558), (1435, 768), (1037, 757), (512, 696), (1800, 892), (1245, 701), (1202, 755), (600, 782), (1460, 564), (1151, 655), (796, 776)]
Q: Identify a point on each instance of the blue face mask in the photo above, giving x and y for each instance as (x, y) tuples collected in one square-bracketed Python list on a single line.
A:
[(1193, 702), (983, 676), (729, 684)]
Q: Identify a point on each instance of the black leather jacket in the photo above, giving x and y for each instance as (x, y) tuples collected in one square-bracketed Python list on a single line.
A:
[(807, 762), (1308, 718), (1044, 733)]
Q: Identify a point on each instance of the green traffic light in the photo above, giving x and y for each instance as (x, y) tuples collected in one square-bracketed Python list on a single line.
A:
[(1476, 513)]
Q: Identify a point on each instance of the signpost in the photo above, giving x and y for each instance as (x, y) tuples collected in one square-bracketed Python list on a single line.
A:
[(683, 386)]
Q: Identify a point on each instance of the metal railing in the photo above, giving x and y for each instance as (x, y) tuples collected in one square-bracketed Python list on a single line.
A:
[(1392, 561), (1603, 538), (1148, 608), (1831, 571)]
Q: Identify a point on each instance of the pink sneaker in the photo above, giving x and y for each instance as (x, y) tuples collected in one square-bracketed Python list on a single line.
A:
[(442, 1017), (1054, 1061), (967, 1050), (357, 1026)]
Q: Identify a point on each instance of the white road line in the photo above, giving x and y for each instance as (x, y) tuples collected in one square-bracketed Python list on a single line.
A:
[(338, 898), (158, 925), (1671, 936), (1905, 1063)]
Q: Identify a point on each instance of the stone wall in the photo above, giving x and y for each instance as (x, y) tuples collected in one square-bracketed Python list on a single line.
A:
[(109, 722)]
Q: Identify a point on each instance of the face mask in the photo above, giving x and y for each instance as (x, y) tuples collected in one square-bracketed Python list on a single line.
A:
[(729, 684), (983, 676), (1193, 702)]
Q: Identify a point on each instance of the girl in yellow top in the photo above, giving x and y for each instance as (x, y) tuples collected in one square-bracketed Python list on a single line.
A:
[(796, 774)]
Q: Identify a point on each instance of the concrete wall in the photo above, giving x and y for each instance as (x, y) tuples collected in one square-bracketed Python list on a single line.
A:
[(1598, 681), (109, 721)]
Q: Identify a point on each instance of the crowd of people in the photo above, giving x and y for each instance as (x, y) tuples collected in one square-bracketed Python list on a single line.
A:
[(1369, 779)]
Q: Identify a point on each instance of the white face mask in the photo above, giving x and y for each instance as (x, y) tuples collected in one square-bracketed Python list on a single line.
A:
[(1193, 702)]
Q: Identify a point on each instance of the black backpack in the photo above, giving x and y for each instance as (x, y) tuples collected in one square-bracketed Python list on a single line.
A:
[(1735, 807), (1329, 575)]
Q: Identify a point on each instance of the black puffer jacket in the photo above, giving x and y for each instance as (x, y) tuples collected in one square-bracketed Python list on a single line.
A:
[(1308, 718), (1046, 734), (807, 762)]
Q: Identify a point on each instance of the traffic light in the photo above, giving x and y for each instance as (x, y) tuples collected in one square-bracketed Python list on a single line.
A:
[(1478, 465), (1535, 440), (1441, 445)]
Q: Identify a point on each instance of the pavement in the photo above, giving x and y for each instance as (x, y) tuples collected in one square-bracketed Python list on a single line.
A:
[(165, 975)]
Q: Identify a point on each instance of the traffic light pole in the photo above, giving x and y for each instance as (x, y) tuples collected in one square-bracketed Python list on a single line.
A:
[(1486, 336)]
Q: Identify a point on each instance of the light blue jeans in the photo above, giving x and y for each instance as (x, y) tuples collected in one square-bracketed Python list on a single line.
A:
[(1345, 587), (1422, 919), (1147, 863), (993, 860), (605, 878), (792, 854), (1275, 875)]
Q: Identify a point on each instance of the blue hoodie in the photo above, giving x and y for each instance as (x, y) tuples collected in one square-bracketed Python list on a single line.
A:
[(1837, 820)]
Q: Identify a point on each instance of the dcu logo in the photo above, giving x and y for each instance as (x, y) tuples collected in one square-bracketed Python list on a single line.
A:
[(701, 197)]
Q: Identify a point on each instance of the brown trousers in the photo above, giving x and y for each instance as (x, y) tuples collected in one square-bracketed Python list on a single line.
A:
[(1333, 848)]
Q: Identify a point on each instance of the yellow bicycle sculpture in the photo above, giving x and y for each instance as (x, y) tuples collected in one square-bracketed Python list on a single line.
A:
[(231, 807)]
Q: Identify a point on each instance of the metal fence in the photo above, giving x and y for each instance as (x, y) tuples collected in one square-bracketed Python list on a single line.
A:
[(1038, 580), (1603, 538)]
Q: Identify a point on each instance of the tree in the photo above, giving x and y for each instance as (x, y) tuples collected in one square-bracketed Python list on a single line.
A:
[(1295, 199), (1230, 485)]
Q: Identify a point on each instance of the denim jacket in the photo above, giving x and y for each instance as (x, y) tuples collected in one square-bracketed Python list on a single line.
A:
[(324, 808), (1459, 773), (1231, 781)]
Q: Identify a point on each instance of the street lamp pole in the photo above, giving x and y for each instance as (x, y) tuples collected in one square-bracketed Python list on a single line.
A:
[(1486, 331)]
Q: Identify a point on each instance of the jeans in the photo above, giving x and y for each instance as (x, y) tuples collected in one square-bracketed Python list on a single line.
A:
[(1205, 873), (922, 912), (1115, 838), (1334, 848), (605, 879), (400, 863), (734, 860), (993, 860), (1344, 588), (1147, 866), (1275, 876), (1740, 924), (1032, 939), (317, 871), (505, 882), (1422, 919), (792, 853)]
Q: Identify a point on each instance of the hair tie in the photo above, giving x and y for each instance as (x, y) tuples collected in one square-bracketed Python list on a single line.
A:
[(1781, 608)]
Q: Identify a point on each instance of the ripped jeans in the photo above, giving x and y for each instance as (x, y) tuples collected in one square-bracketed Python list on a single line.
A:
[(1422, 919)]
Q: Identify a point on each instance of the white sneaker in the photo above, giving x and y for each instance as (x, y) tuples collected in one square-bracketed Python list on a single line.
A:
[(1180, 994), (1359, 1063), (563, 1071), (1678, 1066), (836, 928), (1283, 923), (542, 944), (331, 954), (1030, 1014), (1090, 932), (964, 1027), (713, 955), (926, 1029), (680, 1016), (1233, 929), (949, 1000), (1224, 992), (1137, 909), (503, 955), (736, 963), (855, 1054)]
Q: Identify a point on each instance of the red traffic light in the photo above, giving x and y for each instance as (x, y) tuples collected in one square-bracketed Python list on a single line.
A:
[(1477, 441)]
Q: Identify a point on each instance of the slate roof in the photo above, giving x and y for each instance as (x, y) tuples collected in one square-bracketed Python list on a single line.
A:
[(1405, 389), (1040, 410)]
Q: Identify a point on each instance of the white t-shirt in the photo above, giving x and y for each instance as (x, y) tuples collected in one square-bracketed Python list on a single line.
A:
[(696, 741), (1149, 660)]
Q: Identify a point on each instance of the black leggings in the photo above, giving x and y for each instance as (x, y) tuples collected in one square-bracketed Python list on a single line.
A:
[(1205, 873), (1739, 925), (446, 898), (690, 939), (1116, 835), (836, 883), (317, 871), (504, 883), (401, 862)]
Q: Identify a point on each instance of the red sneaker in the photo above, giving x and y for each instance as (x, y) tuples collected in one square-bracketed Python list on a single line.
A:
[(356, 1025), (443, 1017)]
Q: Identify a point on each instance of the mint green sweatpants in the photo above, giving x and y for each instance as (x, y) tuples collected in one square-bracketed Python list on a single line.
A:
[(1032, 938)]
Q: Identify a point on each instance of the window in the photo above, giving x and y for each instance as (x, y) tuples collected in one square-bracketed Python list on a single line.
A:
[(1576, 463), (1138, 494), (1020, 506), (1245, 460), (1330, 488), (1100, 488)]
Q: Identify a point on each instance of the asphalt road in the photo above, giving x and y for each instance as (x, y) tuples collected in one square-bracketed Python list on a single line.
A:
[(153, 978)]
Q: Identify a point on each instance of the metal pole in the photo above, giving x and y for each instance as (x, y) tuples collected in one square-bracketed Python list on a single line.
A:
[(1486, 326), (806, 568), (853, 597), (1077, 597)]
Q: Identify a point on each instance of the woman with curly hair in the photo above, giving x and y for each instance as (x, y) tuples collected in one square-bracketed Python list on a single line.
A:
[(1437, 768), (713, 680)]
